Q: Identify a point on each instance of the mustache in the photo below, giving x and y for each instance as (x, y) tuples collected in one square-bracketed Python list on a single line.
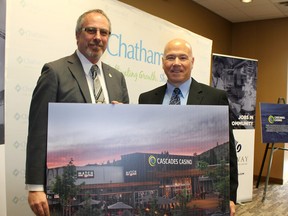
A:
[(96, 43)]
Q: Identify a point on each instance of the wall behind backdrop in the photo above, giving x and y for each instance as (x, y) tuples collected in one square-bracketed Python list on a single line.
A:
[(192, 16), (33, 39), (268, 43)]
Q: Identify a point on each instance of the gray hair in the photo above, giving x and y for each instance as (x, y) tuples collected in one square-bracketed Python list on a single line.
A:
[(81, 19)]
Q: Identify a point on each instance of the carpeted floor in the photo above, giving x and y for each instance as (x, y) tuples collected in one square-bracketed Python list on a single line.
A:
[(275, 204)]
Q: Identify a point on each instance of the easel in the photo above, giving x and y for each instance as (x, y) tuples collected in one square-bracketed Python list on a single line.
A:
[(273, 149)]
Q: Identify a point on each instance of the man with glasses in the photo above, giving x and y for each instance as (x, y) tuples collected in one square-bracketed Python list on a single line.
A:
[(70, 79), (181, 89)]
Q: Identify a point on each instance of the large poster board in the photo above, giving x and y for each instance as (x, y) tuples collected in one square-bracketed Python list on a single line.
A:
[(274, 122), (138, 159)]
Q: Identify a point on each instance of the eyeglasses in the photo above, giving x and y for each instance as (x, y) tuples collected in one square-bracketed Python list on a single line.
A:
[(93, 31)]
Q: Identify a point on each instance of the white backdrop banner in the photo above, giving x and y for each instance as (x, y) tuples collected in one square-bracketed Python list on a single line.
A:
[(42, 31), (245, 154), (238, 76), (2, 146), (2, 60)]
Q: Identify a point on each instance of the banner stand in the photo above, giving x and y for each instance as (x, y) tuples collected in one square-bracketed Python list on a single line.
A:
[(273, 149)]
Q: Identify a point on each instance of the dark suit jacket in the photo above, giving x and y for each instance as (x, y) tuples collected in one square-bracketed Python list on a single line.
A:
[(200, 94), (61, 81)]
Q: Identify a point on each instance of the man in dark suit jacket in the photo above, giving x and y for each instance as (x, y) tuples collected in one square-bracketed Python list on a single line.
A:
[(177, 64), (67, 80)]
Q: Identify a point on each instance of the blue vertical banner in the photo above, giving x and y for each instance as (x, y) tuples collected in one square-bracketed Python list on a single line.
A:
[(238, 77)]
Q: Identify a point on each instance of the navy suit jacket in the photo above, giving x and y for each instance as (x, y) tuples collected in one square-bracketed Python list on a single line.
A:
[(61, 81), (200, 94)]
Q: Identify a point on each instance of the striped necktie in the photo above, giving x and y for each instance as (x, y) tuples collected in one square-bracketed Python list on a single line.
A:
[(175, 99), (97, 88)]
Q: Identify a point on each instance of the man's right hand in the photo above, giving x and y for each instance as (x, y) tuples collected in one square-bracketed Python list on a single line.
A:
[(38, 203)]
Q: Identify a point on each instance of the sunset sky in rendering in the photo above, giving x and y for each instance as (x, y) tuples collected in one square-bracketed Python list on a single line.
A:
[(94, 134)]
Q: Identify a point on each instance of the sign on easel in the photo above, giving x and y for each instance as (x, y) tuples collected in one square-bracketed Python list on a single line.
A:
[(274, 122), (274, 129)]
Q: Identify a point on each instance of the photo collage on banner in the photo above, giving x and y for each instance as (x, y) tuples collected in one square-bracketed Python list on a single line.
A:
[(146, 166), (237, 76)]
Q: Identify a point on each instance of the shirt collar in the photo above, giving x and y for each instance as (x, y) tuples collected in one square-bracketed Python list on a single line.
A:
[(184, 87), (86, 64)]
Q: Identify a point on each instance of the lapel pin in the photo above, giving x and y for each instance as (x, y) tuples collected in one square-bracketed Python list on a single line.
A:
[(110, 75)]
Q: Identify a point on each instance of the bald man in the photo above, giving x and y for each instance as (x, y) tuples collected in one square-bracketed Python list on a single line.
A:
[(177, 63)]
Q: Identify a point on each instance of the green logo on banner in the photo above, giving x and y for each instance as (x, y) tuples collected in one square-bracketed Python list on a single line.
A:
[(271, 119)]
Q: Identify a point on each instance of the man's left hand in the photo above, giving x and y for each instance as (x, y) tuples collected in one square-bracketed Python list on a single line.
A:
[(232, 208)]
